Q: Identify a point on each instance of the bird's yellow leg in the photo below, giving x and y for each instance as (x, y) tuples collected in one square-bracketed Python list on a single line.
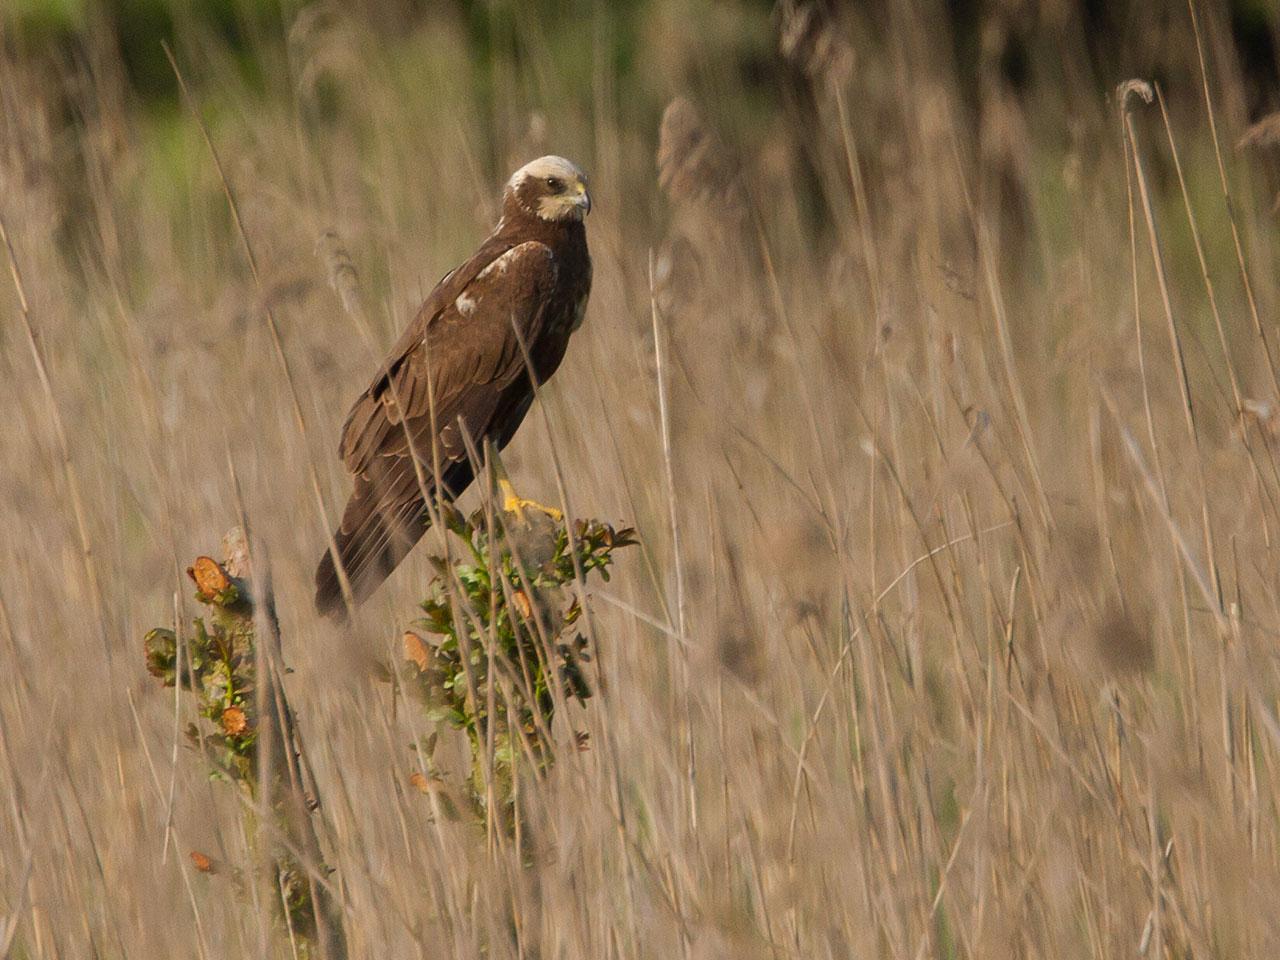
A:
[(512, 503)]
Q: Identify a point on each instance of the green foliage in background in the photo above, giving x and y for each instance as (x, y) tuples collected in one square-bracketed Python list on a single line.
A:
[(570, 34)]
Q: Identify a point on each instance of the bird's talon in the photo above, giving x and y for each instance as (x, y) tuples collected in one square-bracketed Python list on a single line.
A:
[(514, 504)]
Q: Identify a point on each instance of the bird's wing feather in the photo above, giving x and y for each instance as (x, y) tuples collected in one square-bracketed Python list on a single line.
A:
[(452, 369), (464, 357), (442, 295)]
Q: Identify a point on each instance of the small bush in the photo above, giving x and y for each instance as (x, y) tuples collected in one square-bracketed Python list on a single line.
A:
[(220, 663), (499, 642)]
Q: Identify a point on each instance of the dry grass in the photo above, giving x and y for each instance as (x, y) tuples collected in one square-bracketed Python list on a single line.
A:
[(967, 436)]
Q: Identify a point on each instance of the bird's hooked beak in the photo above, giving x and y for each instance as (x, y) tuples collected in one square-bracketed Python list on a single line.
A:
[(583, 199)]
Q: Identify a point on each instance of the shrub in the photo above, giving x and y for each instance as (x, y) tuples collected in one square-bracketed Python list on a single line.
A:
[(499, 643)]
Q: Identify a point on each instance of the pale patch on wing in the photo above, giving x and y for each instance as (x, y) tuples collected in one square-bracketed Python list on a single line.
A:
[(510, 282), (504, 262), (499, 266)]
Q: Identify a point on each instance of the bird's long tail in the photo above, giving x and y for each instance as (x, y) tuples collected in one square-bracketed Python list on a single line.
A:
[(372, 540), (381, 523)]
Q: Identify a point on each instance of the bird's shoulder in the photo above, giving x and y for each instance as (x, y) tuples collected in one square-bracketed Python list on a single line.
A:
[(503, 270), (523, 271)]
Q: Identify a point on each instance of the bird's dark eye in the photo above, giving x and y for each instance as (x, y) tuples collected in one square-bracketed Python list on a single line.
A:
[(555, 184)]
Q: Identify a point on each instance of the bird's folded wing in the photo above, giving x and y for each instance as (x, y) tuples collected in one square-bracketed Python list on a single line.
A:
[(456, 374)]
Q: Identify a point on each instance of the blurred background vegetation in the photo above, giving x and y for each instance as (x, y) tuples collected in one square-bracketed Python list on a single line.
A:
[(1115, 32), (518, 59), (530, 73), (953, 633), (1118, 35)]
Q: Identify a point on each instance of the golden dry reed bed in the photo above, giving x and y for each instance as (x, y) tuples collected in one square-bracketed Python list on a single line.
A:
[(934, 363)]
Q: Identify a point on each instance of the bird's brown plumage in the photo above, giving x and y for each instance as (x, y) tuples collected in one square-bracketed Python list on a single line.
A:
[(459, 366)]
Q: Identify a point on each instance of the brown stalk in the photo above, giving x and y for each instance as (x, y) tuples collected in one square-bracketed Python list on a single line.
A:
[(64, 447), (277, 341), (1175, 344)]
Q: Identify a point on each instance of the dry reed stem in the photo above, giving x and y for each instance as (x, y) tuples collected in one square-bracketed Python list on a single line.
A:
[(1175, 344), (959, 763), (276, 341), (64, 447), (1226, 198)]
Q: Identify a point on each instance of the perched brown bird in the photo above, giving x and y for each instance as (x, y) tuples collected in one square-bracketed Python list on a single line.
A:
[(459, 369)]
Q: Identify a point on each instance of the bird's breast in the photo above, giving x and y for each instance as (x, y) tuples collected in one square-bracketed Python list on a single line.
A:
[(571, 298), (579, 313)]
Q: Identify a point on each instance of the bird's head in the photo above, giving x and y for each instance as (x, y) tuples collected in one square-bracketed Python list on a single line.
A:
[(550, 188)]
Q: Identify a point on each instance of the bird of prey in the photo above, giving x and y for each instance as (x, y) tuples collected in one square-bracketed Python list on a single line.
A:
[(461, 369)]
